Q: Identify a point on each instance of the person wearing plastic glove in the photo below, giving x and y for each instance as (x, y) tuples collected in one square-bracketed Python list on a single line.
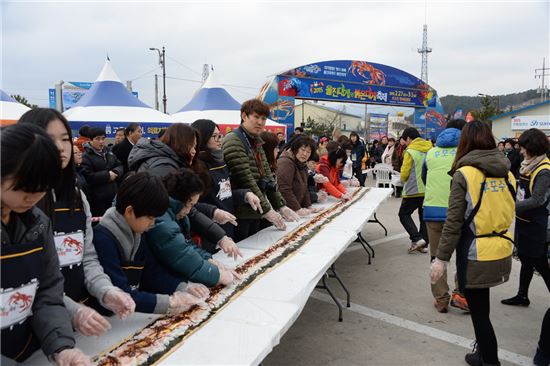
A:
[(292, 177), (124, 252), (87, 288), (170, 240), (477, 227), (246, 159)]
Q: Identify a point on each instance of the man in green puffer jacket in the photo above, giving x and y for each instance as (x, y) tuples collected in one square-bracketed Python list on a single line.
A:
[(249, 169)]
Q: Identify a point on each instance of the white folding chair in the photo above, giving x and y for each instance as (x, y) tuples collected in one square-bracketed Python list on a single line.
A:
[(383, 175)]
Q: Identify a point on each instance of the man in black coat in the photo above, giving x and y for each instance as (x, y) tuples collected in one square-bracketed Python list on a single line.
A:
[(513, 155), (102, 171), (122, 150)]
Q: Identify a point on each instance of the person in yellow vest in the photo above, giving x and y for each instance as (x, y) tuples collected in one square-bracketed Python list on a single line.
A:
[(413, 188), (532, 213), (437, 164), (481, 210)]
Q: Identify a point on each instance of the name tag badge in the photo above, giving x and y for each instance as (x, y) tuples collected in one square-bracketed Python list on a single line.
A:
[(224, 191), (16, 304), (70, 248), (520, 195)]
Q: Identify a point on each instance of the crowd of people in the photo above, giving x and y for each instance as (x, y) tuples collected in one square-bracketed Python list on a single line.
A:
[(91, 230)]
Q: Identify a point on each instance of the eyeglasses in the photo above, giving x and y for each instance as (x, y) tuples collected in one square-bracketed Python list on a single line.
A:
[(216, 136)]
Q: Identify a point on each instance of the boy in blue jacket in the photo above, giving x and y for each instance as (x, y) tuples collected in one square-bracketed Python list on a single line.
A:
[(123, 252), (169, 240)]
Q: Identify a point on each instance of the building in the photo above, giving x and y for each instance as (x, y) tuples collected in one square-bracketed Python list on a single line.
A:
[(512, 124)]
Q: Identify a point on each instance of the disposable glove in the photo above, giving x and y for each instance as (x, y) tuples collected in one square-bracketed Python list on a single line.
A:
[(438, 267), (322, 196), (320, 179), (288, 214), (181, 301), (276, 219), (346, 197), (119, 302), (198, 290), (253, 201), (89, 322), (229, 247), (72, 357), (303, 212), (223, 217)]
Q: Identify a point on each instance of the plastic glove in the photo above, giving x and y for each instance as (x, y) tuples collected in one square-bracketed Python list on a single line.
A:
[(182, 301), (288, 214), (119, 302), (322, 196), (253, 201), (223, 217), (89, 322), (276, 219), (198, 290), (437, 269), (303, 212), (345, 183), (72, 357), (229, 247), (345, 197), (320, 179), (227, 276), (315, 210), (353, 182)]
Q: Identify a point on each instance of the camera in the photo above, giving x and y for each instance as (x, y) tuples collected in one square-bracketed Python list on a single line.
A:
[(267, 186)]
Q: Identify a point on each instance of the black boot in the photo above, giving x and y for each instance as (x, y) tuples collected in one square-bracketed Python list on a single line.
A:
[(474, 358), (518, 300)]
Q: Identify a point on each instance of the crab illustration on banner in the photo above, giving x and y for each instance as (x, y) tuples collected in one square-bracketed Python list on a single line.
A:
[(345, 81)]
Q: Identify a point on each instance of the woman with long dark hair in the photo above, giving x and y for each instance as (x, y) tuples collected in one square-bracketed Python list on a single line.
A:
[(330, 166), (177, 149), (532, 213), (357, 154), (86, 286), (31, 166), (271, 148), (481, 210), (220, 194)]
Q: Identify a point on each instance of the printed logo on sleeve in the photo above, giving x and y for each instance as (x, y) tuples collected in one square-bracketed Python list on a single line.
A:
[(70, 248), (16, 304)]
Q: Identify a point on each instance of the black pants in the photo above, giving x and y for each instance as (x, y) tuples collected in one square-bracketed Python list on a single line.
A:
[(528, 266), (478, 302), (408, 206), (544, 341), (246, 228), (358, 173)]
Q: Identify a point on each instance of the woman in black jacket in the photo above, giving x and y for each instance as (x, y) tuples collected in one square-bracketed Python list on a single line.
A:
[(357, 154), (220, 192), (177, 149)]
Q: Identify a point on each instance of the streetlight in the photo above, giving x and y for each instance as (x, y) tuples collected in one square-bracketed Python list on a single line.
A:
[(162, 62)]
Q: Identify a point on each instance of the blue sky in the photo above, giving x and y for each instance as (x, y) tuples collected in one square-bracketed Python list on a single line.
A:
[(489, 47)]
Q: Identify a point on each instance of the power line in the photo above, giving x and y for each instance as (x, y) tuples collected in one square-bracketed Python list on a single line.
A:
[(182, 64), (145, 74)]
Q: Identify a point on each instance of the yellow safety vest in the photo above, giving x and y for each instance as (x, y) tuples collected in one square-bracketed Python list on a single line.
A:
[(489, 214)]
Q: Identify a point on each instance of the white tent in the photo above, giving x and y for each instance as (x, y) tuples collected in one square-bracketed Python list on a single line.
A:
[(213, 102), (108, 104), (10, 109)]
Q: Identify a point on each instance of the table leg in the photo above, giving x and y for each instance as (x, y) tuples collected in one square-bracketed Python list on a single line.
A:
[(379, 223), (324, 286), (335, 275)]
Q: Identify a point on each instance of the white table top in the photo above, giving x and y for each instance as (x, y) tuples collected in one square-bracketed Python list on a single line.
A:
[(245, 331)]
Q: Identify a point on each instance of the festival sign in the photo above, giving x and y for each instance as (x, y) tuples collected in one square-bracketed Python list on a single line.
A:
[(527, 122), (71, 92), (345, 81)]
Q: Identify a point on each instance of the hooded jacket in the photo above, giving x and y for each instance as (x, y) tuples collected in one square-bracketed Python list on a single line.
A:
[(412, 165), (292, 178), (478, 274), (169, 241), (435, 169), (333, 186), (157, 158), (116, 244)]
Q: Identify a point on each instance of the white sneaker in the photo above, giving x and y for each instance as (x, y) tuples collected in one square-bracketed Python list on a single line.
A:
[(418, 246)]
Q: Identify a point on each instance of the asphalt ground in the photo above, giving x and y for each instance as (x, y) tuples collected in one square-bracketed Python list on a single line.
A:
[(392, 320)]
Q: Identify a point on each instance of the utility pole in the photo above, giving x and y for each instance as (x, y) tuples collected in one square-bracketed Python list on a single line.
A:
[(129, 85), (162, 62), (367, 125), (157, 92), (424, 51), (541, 73)]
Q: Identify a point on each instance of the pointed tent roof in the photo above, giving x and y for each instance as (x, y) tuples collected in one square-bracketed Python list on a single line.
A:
[(213, 102), (211, 96), (10, 109), (109, 100)]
